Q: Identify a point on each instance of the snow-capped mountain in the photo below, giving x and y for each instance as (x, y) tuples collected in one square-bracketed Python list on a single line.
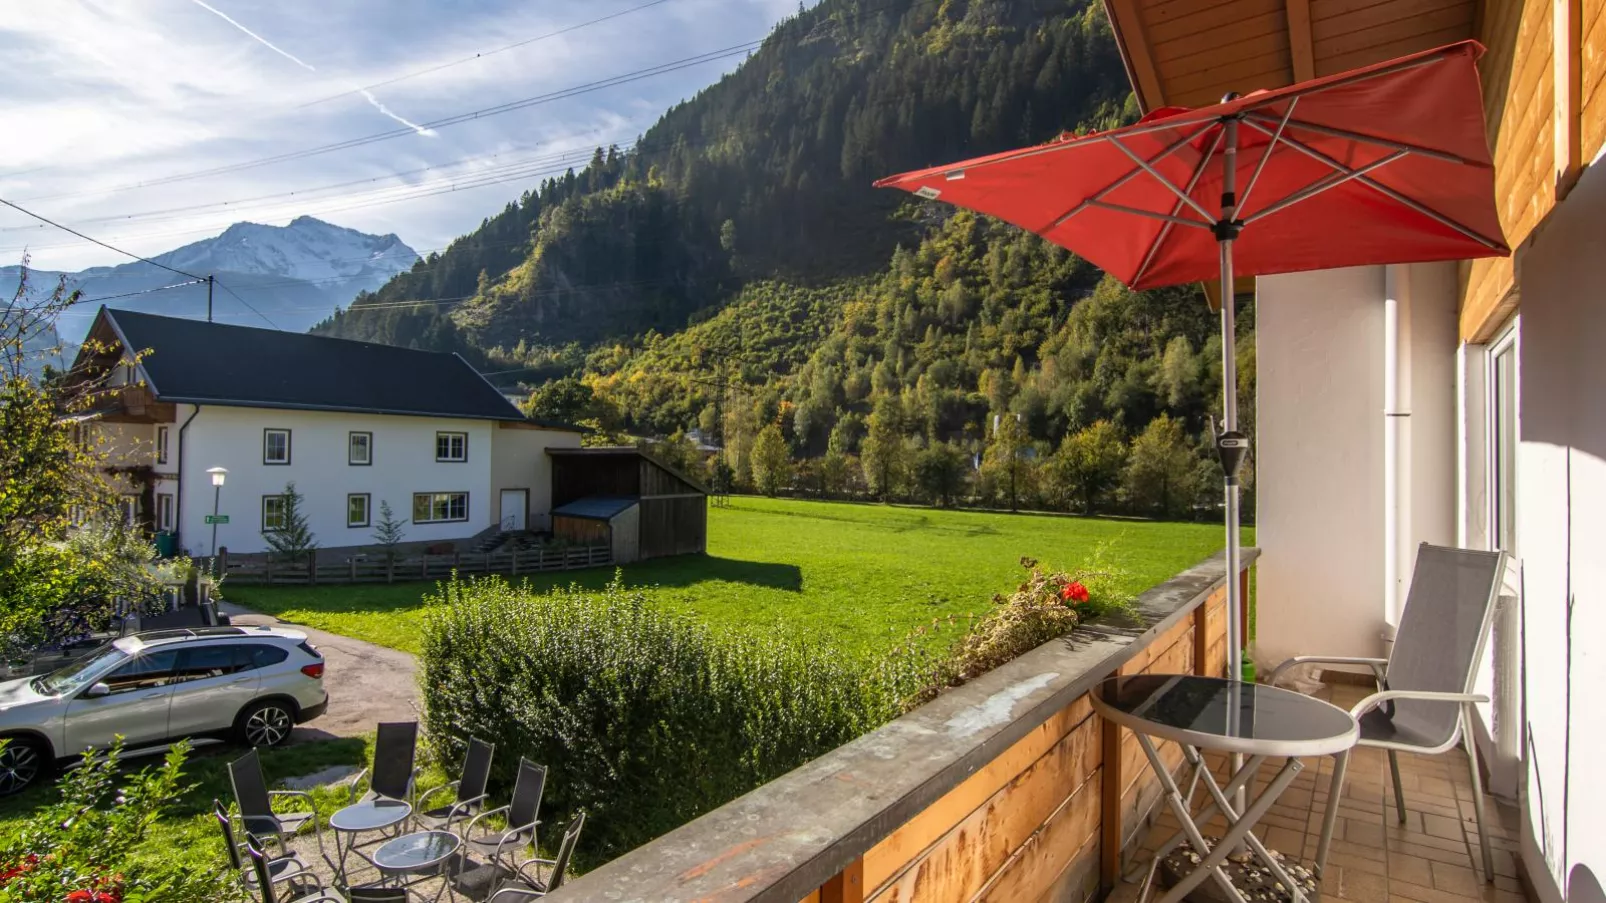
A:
[(308, 249), (290, 276)]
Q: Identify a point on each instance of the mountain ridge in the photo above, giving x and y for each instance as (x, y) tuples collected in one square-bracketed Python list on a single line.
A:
[(292, 275)]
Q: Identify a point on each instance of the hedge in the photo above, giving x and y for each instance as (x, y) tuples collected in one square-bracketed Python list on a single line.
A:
[(644, 718)]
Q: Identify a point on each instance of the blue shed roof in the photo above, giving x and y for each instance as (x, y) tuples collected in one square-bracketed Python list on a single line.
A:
[(596, 507)]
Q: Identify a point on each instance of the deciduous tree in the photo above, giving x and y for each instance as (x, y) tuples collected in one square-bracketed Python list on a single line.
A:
[(1160, 470), (772, 460), (1087, 466)]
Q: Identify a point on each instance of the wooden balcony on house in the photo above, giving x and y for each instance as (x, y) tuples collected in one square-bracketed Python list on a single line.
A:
[(1008, 788)]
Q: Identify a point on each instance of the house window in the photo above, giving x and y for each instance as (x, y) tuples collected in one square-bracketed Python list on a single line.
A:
[(439, 507), (275, 446), (357, 509), (360, 448), (1503, 414), (161, 445), (129, 505), (451, 446), (164, 511), (273, 513)]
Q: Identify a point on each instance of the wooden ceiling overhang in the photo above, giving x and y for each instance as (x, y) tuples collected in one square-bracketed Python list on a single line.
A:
[(1191, 53)]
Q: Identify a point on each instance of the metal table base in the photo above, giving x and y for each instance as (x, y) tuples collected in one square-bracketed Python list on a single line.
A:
[(1239, 825)]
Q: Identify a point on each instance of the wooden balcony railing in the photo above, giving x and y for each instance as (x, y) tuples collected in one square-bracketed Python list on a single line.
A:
[(1006, 789)]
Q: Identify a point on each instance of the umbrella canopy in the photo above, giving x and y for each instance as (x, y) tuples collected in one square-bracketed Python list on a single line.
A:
[(1385, 164)]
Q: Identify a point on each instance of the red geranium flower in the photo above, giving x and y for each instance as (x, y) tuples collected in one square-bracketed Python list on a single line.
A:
[(1074, 592)]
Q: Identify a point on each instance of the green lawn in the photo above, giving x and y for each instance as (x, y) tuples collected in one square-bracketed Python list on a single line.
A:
[(188, 836), (860, 576)]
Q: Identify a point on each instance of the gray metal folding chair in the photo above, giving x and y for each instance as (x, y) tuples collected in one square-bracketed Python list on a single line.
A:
[(470, 796), (476, 880), (266, 886), (283, 868), (532, 886), (1424, 699), (255, 801), (394, 769)]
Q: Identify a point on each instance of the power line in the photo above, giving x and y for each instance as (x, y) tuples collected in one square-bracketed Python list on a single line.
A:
[(160, 288), (248, 305), (485, 113), (99, 242), (511, 106), (479, 56)]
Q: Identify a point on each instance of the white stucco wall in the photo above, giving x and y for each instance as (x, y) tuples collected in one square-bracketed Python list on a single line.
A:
[(1319, 463), (1561, 522), (519, 461), (1319, 451), (403, 454)]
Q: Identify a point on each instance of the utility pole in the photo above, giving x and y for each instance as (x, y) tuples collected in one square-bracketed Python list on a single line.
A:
[(209, 280)]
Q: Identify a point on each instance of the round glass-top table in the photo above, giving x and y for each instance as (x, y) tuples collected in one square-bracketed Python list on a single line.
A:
[(369, 815), (373, 815), (1226, 715), (1245, 719), (417, 852), (420, 854)]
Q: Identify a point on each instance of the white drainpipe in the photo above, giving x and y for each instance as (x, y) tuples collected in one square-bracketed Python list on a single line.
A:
[(1396, 444)]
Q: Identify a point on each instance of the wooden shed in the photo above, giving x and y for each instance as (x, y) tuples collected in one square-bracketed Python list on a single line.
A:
[(629, 499)]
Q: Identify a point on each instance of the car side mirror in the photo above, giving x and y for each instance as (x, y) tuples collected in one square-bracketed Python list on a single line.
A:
[(97, 690)]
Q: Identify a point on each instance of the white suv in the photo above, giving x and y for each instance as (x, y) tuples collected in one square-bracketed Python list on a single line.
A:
[(250, 684)]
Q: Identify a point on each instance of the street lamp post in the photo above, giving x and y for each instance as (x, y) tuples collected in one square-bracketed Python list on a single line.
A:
[(218, 475)]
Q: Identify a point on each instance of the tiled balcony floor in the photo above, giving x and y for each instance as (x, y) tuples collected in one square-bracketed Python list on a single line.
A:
[(1432, 858)]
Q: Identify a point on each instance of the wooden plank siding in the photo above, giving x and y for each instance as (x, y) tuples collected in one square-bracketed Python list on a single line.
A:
[(1592, 78), (1519, 106), (1032, 823)]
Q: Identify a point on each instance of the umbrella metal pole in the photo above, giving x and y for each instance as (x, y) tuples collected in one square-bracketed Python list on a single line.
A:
[(1229, 409)]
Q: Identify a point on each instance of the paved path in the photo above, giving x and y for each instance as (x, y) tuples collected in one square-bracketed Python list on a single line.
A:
[(367, 683)]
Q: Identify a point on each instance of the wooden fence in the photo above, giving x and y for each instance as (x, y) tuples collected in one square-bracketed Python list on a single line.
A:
[(376, 569)]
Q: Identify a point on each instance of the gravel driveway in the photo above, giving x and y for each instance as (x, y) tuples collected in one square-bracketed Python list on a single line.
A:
[(367, 684)]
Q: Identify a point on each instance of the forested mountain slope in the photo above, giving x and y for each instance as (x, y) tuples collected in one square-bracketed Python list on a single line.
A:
[(734, 270), (765, 174)]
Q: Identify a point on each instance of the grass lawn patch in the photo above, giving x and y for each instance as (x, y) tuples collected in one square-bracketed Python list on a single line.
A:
[(188, 836), (857, 575)]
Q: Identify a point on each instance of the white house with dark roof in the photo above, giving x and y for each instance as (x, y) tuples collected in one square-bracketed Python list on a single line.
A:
[(352, 424)]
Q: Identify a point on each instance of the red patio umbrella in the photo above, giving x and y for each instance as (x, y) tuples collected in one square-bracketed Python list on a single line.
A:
[(1385, 164)]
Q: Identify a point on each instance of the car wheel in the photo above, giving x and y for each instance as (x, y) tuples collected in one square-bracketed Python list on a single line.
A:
[(266, 723), (22, 761)]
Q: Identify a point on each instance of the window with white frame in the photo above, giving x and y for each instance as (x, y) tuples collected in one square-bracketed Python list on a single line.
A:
[(451, 446), (161, 445), (275, 446), (1503, 414), (439, 507), (164, 511), (357, 505), (360, 448), (273, 513)]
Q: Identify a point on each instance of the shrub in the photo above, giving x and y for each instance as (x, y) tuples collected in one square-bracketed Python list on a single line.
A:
[(645, 718), (1046, 605), (80, 849)]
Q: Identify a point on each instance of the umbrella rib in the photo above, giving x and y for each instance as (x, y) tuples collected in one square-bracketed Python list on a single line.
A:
[(1369, 139), (1266, 157), (1163, 181), (1131, 174), (1165, 230), (1134, 211), (1330, 181), (1384, 190)]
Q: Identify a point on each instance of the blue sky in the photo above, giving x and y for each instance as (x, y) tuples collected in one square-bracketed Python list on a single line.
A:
[(104, 96)]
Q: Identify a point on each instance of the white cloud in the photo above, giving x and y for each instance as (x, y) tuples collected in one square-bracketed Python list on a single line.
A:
[(103, 95)]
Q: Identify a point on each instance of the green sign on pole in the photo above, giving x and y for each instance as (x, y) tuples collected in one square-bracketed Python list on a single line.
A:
[(217, 518)]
